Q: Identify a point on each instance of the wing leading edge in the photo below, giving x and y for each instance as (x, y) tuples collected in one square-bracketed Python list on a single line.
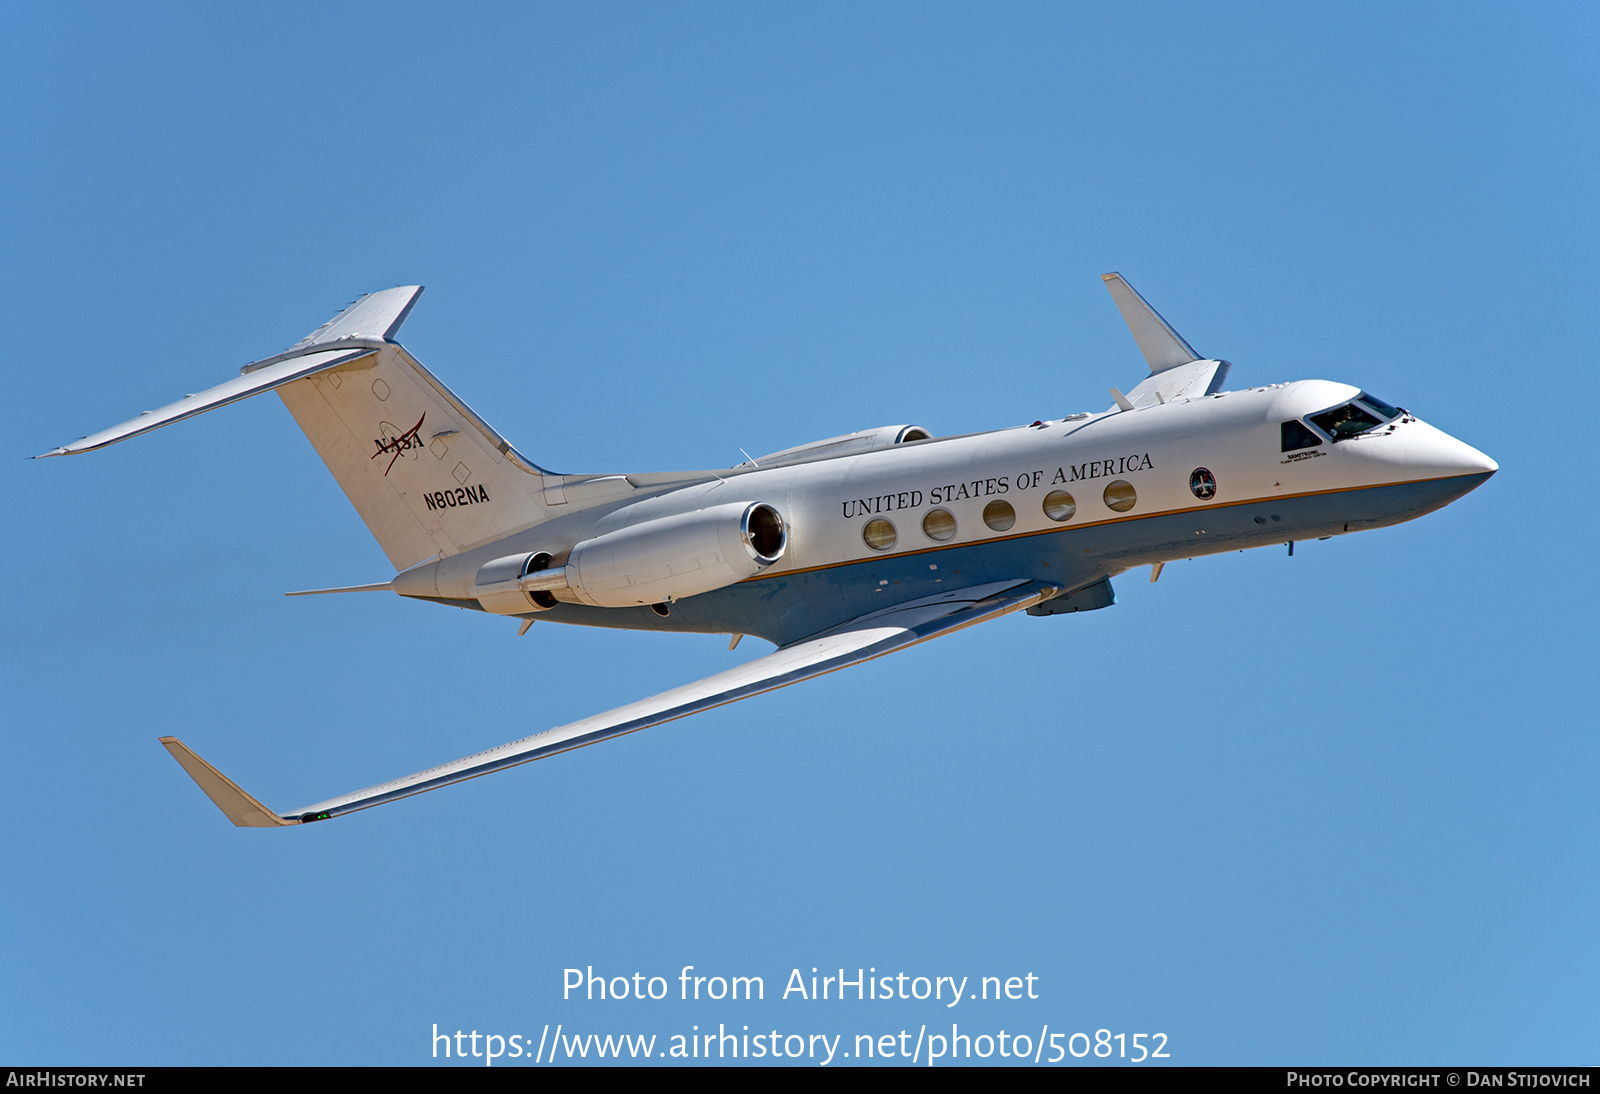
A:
[(862, 639)]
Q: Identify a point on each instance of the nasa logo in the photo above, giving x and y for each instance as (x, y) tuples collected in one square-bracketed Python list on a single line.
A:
[(1203, 483), (396, 442)]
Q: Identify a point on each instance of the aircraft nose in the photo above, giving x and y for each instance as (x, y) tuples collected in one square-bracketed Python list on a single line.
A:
[(1476, 461), (1436, 454)]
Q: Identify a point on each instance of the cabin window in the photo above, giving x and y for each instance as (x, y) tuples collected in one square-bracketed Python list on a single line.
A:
[(1059, 505), (999, 515), (1120, 496), (879, 534), (1296, 436), (939, 525)]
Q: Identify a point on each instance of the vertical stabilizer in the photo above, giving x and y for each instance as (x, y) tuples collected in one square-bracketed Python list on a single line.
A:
[(427, 475)]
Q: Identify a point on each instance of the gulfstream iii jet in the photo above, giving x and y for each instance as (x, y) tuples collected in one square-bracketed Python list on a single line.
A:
[(836, 552)]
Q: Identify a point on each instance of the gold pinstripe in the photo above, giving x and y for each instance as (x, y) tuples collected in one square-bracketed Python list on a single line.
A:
[(1068, 525)]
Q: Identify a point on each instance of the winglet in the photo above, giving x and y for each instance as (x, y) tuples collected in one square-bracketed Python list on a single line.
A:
[(1163, 347), (243, 810)]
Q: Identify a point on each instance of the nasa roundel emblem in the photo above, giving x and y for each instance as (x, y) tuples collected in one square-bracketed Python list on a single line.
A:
[(1203, 483)]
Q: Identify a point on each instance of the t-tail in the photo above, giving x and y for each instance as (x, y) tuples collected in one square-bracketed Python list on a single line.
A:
[(427, 474)]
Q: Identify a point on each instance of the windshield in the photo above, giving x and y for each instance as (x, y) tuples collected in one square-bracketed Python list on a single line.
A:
[(1366, 412), (1379, 407), (1344, 421)]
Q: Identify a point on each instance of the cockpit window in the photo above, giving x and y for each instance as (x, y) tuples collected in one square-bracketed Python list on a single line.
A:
[(1296, 435), (1345, 421), (1378, 406)]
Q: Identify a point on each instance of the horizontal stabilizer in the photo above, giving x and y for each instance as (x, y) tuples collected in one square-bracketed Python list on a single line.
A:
[(239, 807), (367, 325), (376, 587), (377, 316), (1163, 347), (242, 387)]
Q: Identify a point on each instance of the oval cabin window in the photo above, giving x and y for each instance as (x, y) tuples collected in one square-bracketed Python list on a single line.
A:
[(879, 534), (939, 525), (1059, 505), (999, 515), (1120, 496)]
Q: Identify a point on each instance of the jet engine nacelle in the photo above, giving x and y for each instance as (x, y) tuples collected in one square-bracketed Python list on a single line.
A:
[(668, 558), (848, 445), (673, 557)]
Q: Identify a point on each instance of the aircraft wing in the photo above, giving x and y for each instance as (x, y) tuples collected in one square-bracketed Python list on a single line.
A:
[(1176, 370), (861, 639)]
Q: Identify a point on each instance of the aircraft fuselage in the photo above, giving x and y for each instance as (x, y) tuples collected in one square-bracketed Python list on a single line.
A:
[(1165, 482)]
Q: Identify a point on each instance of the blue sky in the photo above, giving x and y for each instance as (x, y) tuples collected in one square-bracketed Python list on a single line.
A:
[(1337, 808)]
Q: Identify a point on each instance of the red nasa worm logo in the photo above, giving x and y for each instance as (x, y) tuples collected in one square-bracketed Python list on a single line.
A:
[(408, 439)]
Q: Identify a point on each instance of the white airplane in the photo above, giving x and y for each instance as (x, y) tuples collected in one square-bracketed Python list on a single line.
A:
[(838, 551)]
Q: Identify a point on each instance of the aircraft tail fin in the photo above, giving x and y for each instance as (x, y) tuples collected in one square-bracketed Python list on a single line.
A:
[(428, 476)]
